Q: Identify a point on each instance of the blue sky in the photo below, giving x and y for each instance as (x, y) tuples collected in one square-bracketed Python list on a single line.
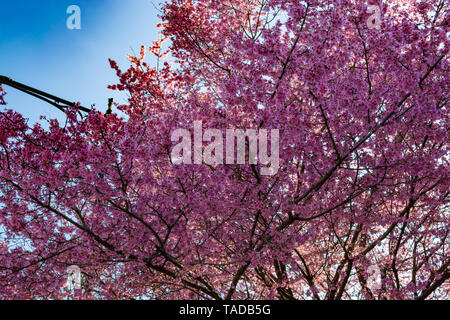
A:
[(37, 49)]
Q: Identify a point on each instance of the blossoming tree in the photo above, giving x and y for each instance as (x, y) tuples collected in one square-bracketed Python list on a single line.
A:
[(357, 210)]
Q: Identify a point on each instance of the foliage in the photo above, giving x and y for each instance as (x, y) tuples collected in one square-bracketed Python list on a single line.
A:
[(363, 179)]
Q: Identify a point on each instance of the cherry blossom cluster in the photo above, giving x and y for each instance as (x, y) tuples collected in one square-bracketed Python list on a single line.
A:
[(362, 185)]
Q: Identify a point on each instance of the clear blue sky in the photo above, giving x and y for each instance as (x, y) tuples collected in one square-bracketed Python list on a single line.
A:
[(37, 49)]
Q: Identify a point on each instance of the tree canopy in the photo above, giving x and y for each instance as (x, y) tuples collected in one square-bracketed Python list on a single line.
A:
[(362, 185)]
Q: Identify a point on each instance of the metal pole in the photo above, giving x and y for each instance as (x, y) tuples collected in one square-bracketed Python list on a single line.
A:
[(49, 98)]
